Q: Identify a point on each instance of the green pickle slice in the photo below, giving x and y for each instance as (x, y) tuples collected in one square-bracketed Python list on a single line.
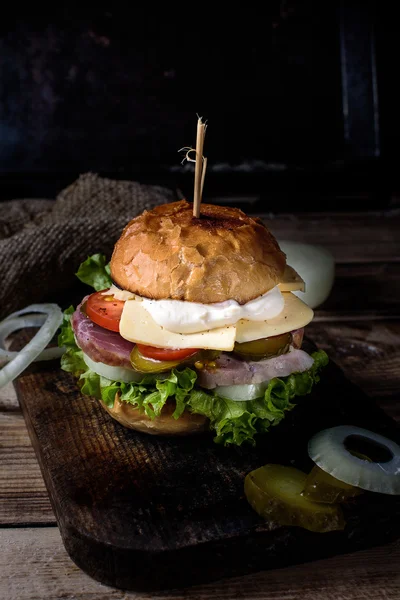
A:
[(147, 365), (264, 347), (275, 493), (322, 487)]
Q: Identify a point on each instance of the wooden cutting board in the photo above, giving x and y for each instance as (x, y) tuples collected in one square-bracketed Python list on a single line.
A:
[(144, 513)]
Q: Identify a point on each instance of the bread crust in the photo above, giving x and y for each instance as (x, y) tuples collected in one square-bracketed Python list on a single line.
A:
[(166, 253), (165, 424)]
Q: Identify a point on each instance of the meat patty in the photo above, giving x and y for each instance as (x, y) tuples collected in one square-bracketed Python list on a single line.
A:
[(100, 344), (233, 371), (297, 337)]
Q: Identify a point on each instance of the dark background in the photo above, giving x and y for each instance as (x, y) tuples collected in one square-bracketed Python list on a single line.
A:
[(301, 101)]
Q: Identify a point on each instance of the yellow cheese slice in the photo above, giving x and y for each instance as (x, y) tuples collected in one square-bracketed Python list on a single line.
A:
[(295, 314), (138, 326), (291, 281)]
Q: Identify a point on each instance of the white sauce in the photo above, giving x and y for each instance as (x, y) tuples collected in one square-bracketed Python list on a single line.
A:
[(191, 317)]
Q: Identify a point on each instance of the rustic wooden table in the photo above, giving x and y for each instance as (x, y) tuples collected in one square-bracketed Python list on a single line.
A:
[(359, 326)]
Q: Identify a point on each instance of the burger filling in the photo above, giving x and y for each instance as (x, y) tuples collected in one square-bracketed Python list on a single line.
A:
[(242, 380)]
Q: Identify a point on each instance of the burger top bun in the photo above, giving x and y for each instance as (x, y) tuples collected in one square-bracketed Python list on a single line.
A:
[(167, 253), (165, 424)]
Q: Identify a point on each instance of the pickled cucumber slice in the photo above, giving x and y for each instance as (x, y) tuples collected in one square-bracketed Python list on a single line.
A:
[(264, 347), (322, 487), (275, 493), (147, 365)]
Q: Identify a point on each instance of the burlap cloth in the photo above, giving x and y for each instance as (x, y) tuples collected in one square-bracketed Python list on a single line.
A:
[(42, 242)]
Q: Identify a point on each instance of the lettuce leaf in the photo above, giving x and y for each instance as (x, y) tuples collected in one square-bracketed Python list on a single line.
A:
[(72, 359), (95, 271), (239, 422), (66, 336), (233, 423)]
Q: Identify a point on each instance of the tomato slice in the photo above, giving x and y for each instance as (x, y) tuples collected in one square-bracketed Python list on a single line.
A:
[(104, 310), (165, 353)]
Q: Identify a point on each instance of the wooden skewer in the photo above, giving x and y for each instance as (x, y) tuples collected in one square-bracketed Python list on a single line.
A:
[(198, 174)]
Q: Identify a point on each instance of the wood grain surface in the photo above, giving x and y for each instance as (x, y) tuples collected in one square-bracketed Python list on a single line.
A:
[(360, 330), (45, 571), (364, 238), (125, 501)]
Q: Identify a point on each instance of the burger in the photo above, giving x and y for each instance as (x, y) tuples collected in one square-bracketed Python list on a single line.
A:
[(192, 326)]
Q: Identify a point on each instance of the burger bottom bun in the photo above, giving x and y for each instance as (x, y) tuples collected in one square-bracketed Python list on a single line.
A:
[(165, 424)]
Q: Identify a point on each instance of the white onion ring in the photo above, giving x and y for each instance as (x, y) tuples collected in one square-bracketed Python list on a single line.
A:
[(113, 373), (19, 361), (241, 393), (9, 326), (12, 324), (328, 451)]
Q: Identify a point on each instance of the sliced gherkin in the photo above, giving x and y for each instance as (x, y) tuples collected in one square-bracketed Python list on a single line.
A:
[(148, 365), (322, 487), (264, 347), (275, 493)]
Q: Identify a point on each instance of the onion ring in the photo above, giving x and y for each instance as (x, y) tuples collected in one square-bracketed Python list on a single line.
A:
[(113, 373), (35, 349), (328, 450), (241, 393)]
